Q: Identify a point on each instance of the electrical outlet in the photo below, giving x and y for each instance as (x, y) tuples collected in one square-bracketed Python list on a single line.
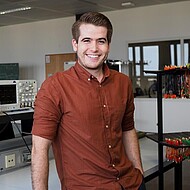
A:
[(10, 160), (26, 157)]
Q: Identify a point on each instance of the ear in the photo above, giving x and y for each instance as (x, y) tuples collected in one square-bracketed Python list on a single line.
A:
[(74, 44), (108, 47)]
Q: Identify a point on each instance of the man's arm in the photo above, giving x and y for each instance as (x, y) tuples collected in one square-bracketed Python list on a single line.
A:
[(40, 163), (132, 149)]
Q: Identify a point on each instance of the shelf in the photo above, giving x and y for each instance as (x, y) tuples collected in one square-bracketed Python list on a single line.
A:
[(170, 71), (14, 141), (154, 137), (19, 115)]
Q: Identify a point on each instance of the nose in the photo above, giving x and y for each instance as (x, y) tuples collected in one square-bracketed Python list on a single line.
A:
[(94, 46)]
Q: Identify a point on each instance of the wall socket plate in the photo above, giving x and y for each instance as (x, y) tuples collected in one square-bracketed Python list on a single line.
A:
[(10, 160)]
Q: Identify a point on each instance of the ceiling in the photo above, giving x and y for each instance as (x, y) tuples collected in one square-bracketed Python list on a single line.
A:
[(52, 9)]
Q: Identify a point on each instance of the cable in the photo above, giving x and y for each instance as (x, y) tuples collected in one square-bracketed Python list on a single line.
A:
[(18, 131), (3, 129)]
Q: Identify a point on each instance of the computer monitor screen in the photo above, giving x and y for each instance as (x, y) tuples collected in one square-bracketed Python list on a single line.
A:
[(8, 94)]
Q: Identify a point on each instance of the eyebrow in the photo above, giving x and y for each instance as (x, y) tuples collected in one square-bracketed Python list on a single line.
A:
[(85, 39)]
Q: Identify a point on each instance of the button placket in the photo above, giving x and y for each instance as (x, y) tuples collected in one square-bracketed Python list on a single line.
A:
[(105, 106)]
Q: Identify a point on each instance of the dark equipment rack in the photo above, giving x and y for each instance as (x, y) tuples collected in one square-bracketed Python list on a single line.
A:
[(159, 137)]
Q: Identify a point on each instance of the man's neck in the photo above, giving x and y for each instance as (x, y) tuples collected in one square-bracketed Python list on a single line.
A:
[(97, 73)]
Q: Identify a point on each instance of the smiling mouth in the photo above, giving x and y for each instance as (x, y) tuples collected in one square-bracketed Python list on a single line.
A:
[(93, 56)]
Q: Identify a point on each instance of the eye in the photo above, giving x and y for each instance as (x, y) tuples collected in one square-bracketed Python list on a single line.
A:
[(86, 40), (101, 41)]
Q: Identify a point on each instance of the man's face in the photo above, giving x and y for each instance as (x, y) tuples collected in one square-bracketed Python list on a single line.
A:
[(92, 47)]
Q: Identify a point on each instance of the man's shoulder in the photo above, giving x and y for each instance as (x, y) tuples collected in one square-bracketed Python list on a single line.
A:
[(61, 75), (121, 75)]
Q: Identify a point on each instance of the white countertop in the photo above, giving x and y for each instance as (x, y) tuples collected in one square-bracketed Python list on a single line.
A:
[(21, 179)]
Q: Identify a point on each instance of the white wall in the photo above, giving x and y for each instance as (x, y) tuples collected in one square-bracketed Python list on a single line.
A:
[(175, 115), (29, 43), (167, 21)]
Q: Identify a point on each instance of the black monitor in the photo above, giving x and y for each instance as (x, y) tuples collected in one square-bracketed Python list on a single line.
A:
[(9, 71)]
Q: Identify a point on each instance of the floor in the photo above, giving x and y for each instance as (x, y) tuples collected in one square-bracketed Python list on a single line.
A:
[(169, 181)]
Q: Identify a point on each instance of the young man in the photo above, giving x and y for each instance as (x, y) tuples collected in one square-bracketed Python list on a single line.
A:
[(86, 114)]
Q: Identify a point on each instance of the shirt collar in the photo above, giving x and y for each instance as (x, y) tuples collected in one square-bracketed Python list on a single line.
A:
[(88, 76)]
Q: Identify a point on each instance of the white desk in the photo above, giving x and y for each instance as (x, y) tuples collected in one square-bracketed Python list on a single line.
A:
[(21, 178)]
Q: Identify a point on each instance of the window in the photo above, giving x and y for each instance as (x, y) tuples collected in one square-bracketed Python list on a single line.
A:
[(186, 51), (153, 56), (175, 53)]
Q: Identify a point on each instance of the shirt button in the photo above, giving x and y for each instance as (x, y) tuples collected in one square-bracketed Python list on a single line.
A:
[(109, 146), (104, 105), (107, 126), (117, 178), (113, 165), (88, 79), (100, 85)]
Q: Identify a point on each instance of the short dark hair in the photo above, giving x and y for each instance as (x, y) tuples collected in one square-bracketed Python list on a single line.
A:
[(94, 18)]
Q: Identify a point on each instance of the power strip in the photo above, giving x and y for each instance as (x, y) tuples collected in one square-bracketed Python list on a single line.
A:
[(14, 159), (14, 154)]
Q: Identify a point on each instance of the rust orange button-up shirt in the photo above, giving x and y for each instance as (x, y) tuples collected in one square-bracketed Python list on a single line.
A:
[(85, 120)]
